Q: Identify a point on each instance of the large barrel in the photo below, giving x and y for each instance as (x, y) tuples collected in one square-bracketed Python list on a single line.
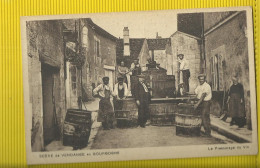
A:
[(77, 127), (128, 116), (162, 114), (188, 121)]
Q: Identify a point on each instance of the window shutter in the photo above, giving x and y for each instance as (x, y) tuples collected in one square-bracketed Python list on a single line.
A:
[(220, 70)]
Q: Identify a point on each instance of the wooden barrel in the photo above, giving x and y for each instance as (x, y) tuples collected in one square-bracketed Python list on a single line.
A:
[(128, 116), (162, 114), (77, 127), (188, 121)]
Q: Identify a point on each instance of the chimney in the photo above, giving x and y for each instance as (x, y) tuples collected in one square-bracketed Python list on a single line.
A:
[(126, 41), (157, 35)]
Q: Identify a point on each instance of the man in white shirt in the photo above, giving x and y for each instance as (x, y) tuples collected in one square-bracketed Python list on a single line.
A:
[(184, 72), (204, 94), (106, 111), (120, 93)]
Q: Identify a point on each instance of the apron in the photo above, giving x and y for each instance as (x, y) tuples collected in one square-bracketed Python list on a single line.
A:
[(105, 108), (236, 109)]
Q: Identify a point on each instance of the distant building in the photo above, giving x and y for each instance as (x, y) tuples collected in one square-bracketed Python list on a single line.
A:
[(46, 81), (129, 49)]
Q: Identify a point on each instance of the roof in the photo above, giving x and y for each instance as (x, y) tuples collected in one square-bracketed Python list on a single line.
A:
[(100, 31), (136, 45), (158, 44), (185, 34)]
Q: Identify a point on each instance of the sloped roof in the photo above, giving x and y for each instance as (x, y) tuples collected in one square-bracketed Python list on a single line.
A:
[(137, 43), (100, 31), (69, 24), (158, 44)]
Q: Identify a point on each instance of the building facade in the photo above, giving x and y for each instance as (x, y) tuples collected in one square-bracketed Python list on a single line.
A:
[(226, 50), (189, 46), (96, 50), (46, 81)]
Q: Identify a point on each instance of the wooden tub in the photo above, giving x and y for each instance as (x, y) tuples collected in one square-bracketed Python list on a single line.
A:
[(128, 116), (162, 114), (188, 121)]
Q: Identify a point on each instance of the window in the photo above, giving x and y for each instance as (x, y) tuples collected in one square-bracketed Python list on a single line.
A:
[(73, 72), (85, 37), (97, 46), (216, 71)]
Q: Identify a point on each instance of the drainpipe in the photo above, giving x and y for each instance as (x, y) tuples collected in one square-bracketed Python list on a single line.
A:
[(203, 44)]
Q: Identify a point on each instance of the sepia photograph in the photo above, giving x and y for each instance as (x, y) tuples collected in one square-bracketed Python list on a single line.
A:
[(139, 85)]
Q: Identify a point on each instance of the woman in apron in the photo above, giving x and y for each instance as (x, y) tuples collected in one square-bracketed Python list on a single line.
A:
[(236, 103)]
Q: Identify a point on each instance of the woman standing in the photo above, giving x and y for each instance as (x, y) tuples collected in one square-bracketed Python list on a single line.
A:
[(236, 103)]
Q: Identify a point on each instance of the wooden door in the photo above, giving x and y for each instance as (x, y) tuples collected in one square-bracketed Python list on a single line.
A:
[(48, 104)]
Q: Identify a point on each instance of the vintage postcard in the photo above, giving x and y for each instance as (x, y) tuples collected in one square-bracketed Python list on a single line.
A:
[(139, 85)]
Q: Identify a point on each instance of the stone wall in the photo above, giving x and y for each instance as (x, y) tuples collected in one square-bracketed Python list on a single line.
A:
[(230, 41), (93, 69), (42, 36), (187, 45)]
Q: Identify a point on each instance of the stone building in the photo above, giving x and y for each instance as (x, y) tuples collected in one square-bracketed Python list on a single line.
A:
[(96, 50), (226, 50), (46, 81), (189, 45)]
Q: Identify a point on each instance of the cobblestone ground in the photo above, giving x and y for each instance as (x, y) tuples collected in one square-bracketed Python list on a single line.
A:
[(151, 136)]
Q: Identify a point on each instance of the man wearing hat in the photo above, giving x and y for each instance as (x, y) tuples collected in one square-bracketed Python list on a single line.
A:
[(184, 72), (120, 93), (143, 99), (106, 111), (136, 70), (204, 94)]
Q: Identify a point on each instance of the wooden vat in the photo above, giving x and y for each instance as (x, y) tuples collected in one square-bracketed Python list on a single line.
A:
[(188, 121), (77, 128), (128, 116), (162, 114)]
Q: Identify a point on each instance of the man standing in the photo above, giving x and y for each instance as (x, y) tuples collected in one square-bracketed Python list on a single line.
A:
[(204, 94), (120, 93), (136, 70), (106, 112), (184, 72), (124, 72), (143, 99)]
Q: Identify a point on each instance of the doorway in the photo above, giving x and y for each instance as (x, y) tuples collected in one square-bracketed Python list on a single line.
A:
[(110, 74), (49, 114)]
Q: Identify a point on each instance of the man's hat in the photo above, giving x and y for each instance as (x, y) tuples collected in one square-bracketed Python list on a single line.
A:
[(201, 75), (136, 59), (180, 55), (120, 78), (105, 78), (141, 76)]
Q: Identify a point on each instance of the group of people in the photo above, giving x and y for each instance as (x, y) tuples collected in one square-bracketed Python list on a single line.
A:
[(132, 81), (112, 99), (235, 102)]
